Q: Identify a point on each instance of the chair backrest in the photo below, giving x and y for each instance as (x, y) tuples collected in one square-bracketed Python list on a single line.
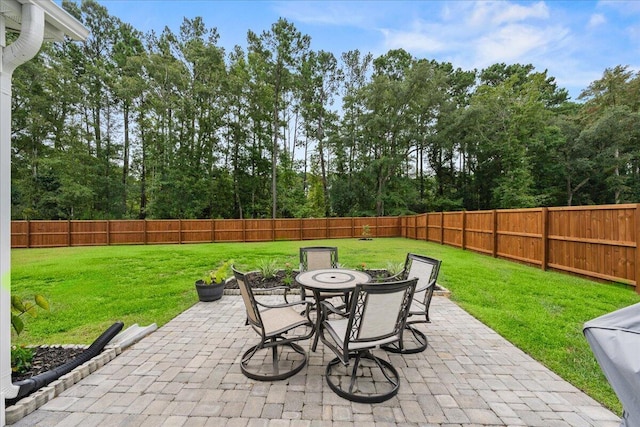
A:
[(318, 257), (253, 314), (379, 311), (424, 268)]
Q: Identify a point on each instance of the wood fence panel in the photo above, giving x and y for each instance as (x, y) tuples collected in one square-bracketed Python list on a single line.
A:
[(519, 235), (434, 226), (20, 234), (359, 225), (196, 230), (163, 231), (479, 231), (48, 234), (596, 241), (288, 228), (387, 226), (340, 228), (258, 230), (452, 229), (409, 227), (127, 232), (229, 230), (89, 233), (314, 228)]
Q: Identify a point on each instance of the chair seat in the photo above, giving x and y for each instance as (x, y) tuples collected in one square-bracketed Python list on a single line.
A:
[(279, 320), (338, 329)]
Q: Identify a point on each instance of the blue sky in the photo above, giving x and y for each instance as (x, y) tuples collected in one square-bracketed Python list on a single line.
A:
[(574, 40)]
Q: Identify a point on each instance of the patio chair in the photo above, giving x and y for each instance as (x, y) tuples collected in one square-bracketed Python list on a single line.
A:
[(275, 324), (377, 316), (426, 270), (316, 258)]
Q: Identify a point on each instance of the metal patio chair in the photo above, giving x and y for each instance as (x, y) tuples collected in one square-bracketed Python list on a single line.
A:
[(275, 324), (426, 270), (316, 258), (377, 316)]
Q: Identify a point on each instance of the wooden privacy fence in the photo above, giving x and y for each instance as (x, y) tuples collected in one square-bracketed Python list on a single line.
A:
[(43, 234), (594, 241)]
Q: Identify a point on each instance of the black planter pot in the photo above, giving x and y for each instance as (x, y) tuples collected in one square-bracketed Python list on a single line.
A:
[(210, 292)]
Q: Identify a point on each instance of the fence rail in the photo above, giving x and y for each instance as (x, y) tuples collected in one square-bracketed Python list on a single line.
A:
[(600, 242)]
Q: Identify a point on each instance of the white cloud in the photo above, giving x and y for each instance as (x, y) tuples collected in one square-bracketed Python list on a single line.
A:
[(518, 13), (492, 13), (517, 43), (597, 20)]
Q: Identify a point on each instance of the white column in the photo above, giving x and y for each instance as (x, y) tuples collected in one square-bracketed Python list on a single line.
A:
[(24, 48)]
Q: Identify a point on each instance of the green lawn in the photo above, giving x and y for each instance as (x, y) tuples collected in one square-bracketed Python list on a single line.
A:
[(89, 288)]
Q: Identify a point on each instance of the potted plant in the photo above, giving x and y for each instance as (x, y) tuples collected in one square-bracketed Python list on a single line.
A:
[(211, 286)]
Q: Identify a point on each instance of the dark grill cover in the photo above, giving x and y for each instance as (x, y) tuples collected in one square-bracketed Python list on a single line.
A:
[(615, 341)]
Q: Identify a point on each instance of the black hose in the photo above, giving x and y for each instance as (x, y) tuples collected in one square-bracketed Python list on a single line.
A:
[(28, 386)]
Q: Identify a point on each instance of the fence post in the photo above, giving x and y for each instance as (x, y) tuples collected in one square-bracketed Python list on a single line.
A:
[(426, 227), (464, 233), (442, 228), (145, 231), (213, 230), (494, 234), (108, 232), (545, 238), (28, 233), (179, 231), (637, 260), (69, 233)]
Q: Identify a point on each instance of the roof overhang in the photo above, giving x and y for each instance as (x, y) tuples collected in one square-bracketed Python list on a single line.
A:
[(58, 22)]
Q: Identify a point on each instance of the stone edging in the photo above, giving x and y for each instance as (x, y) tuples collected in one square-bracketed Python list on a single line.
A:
[(27, 405)]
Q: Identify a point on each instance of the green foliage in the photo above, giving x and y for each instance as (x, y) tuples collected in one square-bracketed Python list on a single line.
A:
[(21, 358), (218, 275), (288, 274), (19, 307), (394, 268), (281, 130), (268, 268)]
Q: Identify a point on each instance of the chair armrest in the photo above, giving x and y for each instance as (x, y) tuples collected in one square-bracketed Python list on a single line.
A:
[(424, 288), (327, 306), (394, 278)]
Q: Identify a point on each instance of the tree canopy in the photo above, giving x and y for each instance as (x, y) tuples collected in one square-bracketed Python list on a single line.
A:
[(170, 125)]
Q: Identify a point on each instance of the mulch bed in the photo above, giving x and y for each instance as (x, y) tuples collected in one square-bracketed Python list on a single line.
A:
[(47, 358)]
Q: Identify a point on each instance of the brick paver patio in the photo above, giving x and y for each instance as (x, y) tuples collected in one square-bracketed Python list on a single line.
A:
[(186, 374)]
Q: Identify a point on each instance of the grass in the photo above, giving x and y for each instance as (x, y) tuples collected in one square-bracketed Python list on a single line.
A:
[(89, 288)]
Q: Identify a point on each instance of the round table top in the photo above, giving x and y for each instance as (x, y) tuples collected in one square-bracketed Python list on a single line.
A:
[(332, 279)]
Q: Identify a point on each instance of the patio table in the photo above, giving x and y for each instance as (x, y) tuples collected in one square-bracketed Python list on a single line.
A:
[(329, 280)]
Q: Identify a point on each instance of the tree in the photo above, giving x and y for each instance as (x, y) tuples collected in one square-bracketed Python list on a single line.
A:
[(319, 80), (280, 50)]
